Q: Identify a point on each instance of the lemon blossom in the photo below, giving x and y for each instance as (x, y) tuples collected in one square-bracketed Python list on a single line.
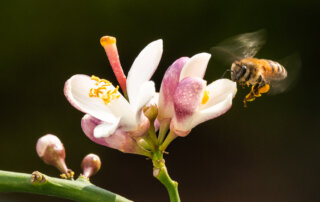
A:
[(99, 99), (186, 99)]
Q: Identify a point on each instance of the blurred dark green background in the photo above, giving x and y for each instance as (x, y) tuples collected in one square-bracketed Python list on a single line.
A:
[(267, 152)]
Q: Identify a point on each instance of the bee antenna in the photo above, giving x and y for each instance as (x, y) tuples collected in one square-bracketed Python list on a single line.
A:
[(227, 70)]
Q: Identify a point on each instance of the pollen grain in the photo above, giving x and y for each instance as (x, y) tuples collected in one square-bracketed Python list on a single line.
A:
[(205, 97)]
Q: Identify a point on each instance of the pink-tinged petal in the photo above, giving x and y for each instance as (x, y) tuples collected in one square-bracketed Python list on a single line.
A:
[(187, 98), (168, 86), (77, 90), (213, 111), (142, 128), (110, 46), (88, 124), (120, 140), (218, 91), (143, 68), (196, 66)]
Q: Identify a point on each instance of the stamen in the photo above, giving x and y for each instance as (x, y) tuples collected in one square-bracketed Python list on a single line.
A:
[(205, 97), (102, 91)]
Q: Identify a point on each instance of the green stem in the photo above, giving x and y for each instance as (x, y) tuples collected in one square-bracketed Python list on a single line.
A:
[(150, 142), (152, 134), (160, 172), (37, 183), (164, 125), (171, 136)]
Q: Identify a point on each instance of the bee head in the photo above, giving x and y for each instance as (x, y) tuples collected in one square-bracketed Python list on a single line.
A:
[(237, 71)]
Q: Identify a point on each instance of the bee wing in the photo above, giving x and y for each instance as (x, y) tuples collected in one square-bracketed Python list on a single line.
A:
[(292, 64), (240, 46)]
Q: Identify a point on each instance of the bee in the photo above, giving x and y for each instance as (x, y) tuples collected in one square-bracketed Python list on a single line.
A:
[(246, 70)]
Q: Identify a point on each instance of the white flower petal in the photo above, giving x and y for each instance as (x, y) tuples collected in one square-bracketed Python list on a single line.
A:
[(219, 90), (121, 108), (196, 66), (146, 92), (143, 68), (154, 100), (105, 129), (213, 111), (77, 90)]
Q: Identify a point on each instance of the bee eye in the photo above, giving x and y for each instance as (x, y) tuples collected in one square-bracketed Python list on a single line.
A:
[(242, 71)]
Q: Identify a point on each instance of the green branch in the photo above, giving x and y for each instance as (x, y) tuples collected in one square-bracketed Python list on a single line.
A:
[(37, 183), (160, 172)]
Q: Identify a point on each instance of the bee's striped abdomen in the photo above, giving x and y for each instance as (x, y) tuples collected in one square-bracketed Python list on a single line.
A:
[(273, 70)]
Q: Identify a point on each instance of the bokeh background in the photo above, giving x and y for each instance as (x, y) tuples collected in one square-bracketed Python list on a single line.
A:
[(266, 152)]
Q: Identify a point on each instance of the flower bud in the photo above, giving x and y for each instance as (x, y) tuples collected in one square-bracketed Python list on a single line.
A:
[(51, 150), (151, 112), (90, 165)]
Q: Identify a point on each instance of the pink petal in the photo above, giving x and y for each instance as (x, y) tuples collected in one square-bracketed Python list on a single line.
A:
[(168, 86), (120, 140), (187, 98)]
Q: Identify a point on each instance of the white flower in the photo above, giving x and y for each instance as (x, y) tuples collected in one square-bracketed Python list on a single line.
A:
[(100, 99)]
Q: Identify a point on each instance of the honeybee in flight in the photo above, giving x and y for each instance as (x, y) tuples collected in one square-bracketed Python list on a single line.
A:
[(247, 70)]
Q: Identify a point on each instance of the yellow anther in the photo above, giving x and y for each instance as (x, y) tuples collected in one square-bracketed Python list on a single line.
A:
[(107, 83), (93, 77), (107, 40), (102, 91), (205, 97)]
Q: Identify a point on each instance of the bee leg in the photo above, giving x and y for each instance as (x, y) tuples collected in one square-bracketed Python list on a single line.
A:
[(255, 92), (264, 89), (251, 96)]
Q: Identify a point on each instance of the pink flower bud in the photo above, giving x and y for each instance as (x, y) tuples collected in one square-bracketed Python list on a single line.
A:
[(51, 150), (90, 165)]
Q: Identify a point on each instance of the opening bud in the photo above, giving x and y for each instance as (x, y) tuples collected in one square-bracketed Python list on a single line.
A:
[(51, 150), (151, 112), (90, 165)]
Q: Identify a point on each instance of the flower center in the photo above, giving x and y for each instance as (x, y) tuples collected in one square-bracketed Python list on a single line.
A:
[(104, 90), (205, 97)]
